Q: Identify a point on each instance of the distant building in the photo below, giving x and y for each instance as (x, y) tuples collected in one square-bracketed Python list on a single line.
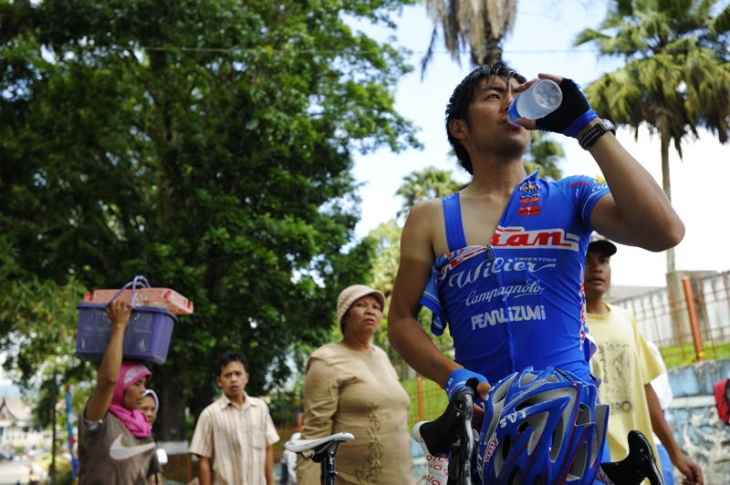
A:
[(16, 419), (620, 293)]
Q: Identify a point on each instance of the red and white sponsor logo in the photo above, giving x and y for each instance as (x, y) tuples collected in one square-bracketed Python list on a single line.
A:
[(519, 237), (493, 442), (438, 470)]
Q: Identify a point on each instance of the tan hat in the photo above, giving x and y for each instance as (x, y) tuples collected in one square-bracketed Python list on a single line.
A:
[(351, 294)]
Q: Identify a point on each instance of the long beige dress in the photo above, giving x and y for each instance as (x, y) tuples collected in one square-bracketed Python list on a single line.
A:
[(357, 392)]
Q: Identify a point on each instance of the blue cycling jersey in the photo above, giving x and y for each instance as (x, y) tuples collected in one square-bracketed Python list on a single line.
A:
[(519, 302)]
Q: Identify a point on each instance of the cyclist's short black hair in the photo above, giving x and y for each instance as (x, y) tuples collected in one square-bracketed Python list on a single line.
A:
[(228, 357), (458, 106)]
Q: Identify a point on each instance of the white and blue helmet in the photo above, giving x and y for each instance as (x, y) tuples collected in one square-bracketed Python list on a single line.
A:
[(541, 427)]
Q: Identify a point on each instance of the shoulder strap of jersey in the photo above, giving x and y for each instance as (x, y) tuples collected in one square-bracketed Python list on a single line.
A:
[(455, 238)]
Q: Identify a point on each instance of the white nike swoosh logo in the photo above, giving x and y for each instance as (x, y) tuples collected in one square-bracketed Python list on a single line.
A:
[(119, 451)]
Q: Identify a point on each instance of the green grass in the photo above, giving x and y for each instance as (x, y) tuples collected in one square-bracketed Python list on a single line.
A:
[(434, 400), (682, 355)]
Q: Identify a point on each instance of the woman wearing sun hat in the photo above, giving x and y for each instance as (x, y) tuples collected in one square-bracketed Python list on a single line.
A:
[(351, 386)]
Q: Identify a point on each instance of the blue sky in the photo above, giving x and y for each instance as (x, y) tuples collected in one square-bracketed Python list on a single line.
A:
[(542, 42)]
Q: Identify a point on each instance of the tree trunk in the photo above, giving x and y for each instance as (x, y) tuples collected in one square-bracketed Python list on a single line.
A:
[(171, 415), (667, 186), (489, 53)]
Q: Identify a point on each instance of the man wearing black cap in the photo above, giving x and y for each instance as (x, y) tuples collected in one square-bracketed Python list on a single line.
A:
[(626, 366)]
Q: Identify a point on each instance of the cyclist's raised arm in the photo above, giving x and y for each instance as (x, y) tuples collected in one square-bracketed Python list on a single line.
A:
[(416, 259), (637, 212)]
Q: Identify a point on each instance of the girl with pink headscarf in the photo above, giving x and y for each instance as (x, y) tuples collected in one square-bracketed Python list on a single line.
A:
[(115, 439)]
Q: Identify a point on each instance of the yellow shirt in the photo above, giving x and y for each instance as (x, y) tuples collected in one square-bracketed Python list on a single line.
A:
[(624, 363)]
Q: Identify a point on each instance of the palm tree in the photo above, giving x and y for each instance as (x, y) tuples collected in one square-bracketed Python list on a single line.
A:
[(677, 75), (429, 183), (480, 25)]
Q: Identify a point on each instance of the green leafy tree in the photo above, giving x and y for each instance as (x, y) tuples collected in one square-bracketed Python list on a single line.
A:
[(37, 320), (677, 73), (386, 238), (207, 145), (544, 154)]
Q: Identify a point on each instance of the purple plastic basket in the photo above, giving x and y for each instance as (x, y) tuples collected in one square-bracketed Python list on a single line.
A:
[(146, 338)]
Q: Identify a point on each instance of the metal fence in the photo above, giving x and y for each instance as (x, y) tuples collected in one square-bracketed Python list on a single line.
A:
[(687, 320)]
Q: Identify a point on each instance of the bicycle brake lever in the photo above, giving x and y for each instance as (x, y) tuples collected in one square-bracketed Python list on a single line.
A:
[(438, 435)]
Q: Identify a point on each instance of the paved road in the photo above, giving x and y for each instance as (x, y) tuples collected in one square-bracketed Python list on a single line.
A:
[(12, 472)]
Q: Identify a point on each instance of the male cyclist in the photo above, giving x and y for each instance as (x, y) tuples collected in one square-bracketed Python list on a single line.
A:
[(501, 262)]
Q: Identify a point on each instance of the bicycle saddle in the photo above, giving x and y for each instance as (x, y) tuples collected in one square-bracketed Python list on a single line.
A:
[(319, 446)]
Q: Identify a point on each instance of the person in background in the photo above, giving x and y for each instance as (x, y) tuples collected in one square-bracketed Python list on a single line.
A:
[(289, 459), (626, 366), (289, 463), (664, 395), (115, 440), (234, 436), (351, 386), (150, 405)]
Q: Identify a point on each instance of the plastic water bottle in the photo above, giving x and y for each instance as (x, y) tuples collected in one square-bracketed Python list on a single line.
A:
[(540, 99)]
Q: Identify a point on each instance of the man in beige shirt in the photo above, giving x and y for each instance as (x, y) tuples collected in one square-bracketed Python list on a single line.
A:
[(234, 435)]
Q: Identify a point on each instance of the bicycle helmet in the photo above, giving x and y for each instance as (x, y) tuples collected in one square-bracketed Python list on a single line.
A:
[(541, 427)]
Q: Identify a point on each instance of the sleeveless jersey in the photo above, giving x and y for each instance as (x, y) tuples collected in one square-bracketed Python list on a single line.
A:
[(519, 302)]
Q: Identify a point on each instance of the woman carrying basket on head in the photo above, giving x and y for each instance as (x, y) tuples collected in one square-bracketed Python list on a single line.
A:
[(115, 439)]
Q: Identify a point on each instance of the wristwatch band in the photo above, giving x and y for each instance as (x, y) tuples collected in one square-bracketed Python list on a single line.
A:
[(597, 131)]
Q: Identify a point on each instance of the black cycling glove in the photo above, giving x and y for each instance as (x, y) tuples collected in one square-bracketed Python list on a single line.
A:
[(573, 114)]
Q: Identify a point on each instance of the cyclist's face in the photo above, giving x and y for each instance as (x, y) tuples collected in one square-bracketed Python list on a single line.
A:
[(233, 379), (597, 273), (487, 127)]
